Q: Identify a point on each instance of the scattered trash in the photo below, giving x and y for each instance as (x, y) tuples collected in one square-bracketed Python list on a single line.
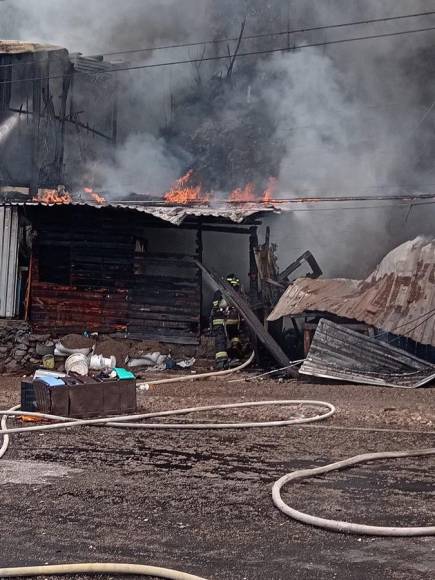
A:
[(61, 350), (77, 363), (153, 359), (98, 362), (186, 363), (48, 361), (124, 374)]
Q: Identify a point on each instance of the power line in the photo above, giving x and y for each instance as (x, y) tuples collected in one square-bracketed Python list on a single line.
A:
[(410, 198), (270, 34), (400, 205), (116, 69), (252, 36)]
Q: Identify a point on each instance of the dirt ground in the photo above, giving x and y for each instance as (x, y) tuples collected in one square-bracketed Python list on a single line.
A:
[(201, 501)]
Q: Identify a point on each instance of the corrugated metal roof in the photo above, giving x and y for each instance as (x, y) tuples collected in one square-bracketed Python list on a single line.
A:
[(169, 213), (8, 261), (89, 64), (398, 297), (340, 353)]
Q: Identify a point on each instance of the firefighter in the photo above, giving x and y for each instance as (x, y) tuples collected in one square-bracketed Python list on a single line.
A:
[(218, 324), (232, 323), (225, 322)]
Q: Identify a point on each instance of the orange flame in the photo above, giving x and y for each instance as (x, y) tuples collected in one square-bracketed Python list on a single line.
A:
[(183, 193), (53, 196), (98, 198), (272, 186), (240, 195)]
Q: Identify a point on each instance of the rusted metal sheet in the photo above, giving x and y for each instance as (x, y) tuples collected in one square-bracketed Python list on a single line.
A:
[(8, 261), (398, 297), (342, 354)]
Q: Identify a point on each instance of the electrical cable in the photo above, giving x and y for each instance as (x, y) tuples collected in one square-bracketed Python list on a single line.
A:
[(270, 34), (116, 69), (343, 526), (248, 36)]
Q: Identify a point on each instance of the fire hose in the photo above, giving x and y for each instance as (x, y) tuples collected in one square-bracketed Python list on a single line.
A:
[(348, 527), (97, 568), (125, 422), (122, 421)]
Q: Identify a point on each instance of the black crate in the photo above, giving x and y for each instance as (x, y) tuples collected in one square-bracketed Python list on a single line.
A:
[(93, 399), (28, 398)]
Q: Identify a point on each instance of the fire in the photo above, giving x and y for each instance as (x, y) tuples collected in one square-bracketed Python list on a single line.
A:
[(272, 186), (97, 197), (53, 196), (240, 195), (183, 192)]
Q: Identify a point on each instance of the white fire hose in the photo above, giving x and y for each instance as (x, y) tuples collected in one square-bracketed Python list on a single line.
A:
[(132, 422), (200, 376), (122, 421), (97, 568), (348, 527)]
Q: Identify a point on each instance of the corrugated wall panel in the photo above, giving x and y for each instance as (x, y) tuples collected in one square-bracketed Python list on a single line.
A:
[(8, 261)]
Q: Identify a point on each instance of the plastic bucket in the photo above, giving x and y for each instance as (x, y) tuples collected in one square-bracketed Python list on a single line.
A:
[(98, 362), (77, 363)]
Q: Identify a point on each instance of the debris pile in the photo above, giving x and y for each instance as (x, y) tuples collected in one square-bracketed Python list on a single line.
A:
[(398, 297)]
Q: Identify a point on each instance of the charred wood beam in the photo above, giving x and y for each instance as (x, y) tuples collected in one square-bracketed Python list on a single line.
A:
[(250, 318)]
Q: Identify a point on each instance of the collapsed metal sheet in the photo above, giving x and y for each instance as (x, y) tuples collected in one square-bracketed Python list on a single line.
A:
[(342, 354), (398, 297)]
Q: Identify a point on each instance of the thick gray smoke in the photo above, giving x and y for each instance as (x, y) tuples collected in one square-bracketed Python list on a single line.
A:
[(355, 119)]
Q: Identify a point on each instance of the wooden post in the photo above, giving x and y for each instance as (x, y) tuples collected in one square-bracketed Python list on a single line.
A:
[(307, 340)]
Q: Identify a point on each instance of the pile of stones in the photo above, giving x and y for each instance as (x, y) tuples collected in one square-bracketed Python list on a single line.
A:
[(19, 348)]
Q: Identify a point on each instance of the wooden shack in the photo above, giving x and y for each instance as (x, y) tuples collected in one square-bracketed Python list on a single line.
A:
[(118, 270)]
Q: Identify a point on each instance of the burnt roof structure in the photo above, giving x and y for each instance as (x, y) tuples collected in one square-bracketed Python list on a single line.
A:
[(398, 297)]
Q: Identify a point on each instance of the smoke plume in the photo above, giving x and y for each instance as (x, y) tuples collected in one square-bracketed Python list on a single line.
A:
[(355, 118)]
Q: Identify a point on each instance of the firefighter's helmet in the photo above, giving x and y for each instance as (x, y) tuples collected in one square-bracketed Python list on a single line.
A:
[(234, 281)]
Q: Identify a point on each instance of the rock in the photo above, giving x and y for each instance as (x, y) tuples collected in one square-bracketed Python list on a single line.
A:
[(38, 337), (12, 366), (20, 351), (4, 349)]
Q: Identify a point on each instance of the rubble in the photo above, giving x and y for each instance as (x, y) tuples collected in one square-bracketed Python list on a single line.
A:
[(398, 297)]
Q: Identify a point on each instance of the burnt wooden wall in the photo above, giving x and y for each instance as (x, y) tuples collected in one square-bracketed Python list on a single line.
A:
[(92, 270)]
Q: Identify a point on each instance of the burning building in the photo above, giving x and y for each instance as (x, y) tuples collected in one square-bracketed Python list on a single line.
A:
[(47, 117), (75, 264)]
